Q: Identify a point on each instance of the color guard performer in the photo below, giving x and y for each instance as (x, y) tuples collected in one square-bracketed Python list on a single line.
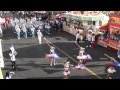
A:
[(81, 56), (110, 69), (52, 51), (66, 69)]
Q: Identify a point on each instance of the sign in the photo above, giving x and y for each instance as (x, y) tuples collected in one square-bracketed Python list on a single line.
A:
[(2, 20), (85, 18)]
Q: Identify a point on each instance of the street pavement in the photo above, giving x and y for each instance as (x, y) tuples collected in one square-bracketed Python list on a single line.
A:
[(32, 64)]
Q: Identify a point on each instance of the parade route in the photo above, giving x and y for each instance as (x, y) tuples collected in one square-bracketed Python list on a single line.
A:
[(32, 64), (31, 60)]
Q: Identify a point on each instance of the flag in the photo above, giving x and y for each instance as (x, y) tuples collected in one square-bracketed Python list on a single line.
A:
[(88, 57), (116, 64), (85, 57), (52, 55), (79, 67)]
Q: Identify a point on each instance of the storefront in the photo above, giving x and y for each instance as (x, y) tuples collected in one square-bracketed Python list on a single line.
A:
[(84, 20)]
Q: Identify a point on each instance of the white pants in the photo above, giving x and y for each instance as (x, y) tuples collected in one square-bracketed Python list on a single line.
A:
[(39, 38)]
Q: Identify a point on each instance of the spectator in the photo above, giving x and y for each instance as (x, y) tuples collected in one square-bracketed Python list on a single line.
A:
[(78, 37)]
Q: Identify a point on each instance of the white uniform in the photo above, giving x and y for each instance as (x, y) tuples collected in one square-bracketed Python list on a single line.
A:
[(12, 49), (39, 36), (13, 58), (93, 38), (89, 37), (66, 73), (77, 36), (110, 70)]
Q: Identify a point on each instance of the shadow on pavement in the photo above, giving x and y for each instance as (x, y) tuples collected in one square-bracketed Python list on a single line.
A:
[(46, 67), (35, 51), (71, 77)]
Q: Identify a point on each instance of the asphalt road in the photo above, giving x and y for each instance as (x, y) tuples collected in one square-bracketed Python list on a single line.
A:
[(32, 64)]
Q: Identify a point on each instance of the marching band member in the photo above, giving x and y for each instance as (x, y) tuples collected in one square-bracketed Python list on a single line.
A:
[(78, 37), (17, 29), (66, 69), (12, 48), (24, 30), (12, 24), (13, 59), (39, 35)]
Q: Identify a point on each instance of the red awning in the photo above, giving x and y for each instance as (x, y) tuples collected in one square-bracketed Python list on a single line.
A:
[(104, 27)]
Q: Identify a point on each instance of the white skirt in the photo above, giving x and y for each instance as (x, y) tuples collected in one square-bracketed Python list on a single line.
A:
[(111, 70), (82, 57), (66, 73)]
